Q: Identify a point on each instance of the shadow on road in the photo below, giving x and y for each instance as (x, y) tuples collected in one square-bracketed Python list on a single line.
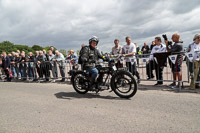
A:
[(70, 95), (40, 82), (185, 89)]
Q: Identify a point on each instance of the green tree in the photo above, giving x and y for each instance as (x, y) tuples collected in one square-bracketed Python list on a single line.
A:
[(6, 46), (37, 48), (47, 48), (24, 48)]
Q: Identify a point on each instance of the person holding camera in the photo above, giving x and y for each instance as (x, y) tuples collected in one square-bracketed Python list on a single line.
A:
[(176, 48)]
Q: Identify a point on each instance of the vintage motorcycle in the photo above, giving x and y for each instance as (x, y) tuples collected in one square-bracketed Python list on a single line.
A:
[(121, 81)]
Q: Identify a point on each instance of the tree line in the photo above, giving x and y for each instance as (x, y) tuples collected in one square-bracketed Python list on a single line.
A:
[(8, 47)]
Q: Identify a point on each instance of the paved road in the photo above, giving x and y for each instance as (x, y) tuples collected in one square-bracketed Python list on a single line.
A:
[(56, 108)]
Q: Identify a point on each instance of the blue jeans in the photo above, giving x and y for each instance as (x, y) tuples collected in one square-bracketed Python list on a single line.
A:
[(32, 73), (93, 71), (13, 71), (17, 69), (23, 72), (133, 69)]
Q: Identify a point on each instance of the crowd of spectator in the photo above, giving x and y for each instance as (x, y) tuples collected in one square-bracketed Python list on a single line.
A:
[(157, 55), (19, 65)]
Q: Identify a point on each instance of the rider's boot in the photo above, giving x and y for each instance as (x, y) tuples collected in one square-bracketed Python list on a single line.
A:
[(93, 85)]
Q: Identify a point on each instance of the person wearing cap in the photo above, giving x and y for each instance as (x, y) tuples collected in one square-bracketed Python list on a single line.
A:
[(189, 48), (90, 56), (73, 58), (194, 66)]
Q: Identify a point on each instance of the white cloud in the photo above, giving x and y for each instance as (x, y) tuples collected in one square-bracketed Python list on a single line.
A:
[(68, 24)]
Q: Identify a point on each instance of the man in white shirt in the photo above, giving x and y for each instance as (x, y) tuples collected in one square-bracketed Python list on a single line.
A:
[(158, 48), (195, 48), (129, 51)]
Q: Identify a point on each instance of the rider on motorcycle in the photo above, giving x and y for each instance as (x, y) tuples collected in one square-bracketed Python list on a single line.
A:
[(90, 56)]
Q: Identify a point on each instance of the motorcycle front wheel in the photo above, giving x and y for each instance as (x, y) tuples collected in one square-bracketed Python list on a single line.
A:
[(123, 84)]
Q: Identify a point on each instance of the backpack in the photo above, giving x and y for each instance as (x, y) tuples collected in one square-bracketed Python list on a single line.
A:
[(81, 53)]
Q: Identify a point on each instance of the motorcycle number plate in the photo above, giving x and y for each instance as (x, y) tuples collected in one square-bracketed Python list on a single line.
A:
[(114, 68)]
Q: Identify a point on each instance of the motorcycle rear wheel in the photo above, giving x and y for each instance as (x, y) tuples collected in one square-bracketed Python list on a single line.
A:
[(79, 83)]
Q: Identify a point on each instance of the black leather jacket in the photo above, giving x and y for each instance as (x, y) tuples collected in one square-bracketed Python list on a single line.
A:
[(23, 64), (90, 57)]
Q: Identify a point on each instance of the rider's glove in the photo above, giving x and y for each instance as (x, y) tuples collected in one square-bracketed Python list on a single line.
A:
[(106, 58)]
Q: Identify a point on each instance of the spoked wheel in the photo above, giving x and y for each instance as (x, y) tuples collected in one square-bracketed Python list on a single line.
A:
[(124, 84), (80, 83)]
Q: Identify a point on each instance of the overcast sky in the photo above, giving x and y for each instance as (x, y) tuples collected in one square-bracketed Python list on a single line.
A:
[(67, 24)]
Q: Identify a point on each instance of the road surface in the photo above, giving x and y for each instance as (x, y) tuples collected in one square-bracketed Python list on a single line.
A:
[(56, 108)]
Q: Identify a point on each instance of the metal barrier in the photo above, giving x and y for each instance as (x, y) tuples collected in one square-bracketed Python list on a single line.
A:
[(145, 66), (142, 67), (33, 70)]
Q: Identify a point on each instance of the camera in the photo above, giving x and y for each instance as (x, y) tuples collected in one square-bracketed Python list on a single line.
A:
[(166, 39)]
